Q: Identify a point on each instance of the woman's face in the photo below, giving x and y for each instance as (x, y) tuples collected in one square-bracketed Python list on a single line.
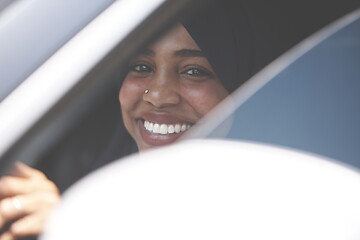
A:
[(168, 88)]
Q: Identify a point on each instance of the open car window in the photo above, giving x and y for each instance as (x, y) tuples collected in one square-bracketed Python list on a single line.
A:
[(71, 111)]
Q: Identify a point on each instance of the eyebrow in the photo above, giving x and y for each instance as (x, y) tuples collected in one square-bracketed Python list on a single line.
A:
[(147, 52), (189, 53), (178, 53)]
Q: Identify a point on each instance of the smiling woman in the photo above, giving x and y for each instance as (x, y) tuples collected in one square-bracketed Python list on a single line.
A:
[(168, 89)]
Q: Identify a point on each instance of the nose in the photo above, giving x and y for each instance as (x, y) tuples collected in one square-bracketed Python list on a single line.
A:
[(163, 90)]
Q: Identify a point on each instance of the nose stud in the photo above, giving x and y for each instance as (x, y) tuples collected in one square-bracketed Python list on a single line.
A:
[(146, 91)]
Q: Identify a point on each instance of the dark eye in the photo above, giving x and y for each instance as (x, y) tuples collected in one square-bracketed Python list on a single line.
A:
[(197, 72), (141, 68)]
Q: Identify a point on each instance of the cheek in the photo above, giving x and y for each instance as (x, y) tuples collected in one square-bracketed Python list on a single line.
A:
[(129, 96), (206, 97), (130, 93)]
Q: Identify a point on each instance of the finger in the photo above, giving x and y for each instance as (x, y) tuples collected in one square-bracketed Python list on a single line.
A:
[(12, 186), (10, 209), (22, 170), (22, 205), (7, 236), (28, 226)]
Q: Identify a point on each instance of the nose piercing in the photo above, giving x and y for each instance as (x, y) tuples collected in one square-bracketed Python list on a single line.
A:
[(146, 91)]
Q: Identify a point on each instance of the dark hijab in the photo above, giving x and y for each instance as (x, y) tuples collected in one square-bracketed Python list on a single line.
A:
[(238, 37)]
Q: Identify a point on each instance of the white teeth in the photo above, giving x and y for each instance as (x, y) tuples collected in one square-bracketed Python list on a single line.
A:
[(150, 127), (171, 129), (177, 128), (156, 128), (165, 128)]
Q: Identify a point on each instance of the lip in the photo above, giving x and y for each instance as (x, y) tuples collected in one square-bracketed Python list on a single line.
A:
[(166, 118), (153, 139)]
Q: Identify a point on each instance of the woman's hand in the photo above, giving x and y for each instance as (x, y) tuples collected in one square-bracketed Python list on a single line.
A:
[(27, 197)]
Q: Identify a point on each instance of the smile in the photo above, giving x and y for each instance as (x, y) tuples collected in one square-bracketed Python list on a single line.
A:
[(158, 128)]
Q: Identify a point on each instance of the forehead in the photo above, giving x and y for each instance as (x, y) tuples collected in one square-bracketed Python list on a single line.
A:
[(176, 38)]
